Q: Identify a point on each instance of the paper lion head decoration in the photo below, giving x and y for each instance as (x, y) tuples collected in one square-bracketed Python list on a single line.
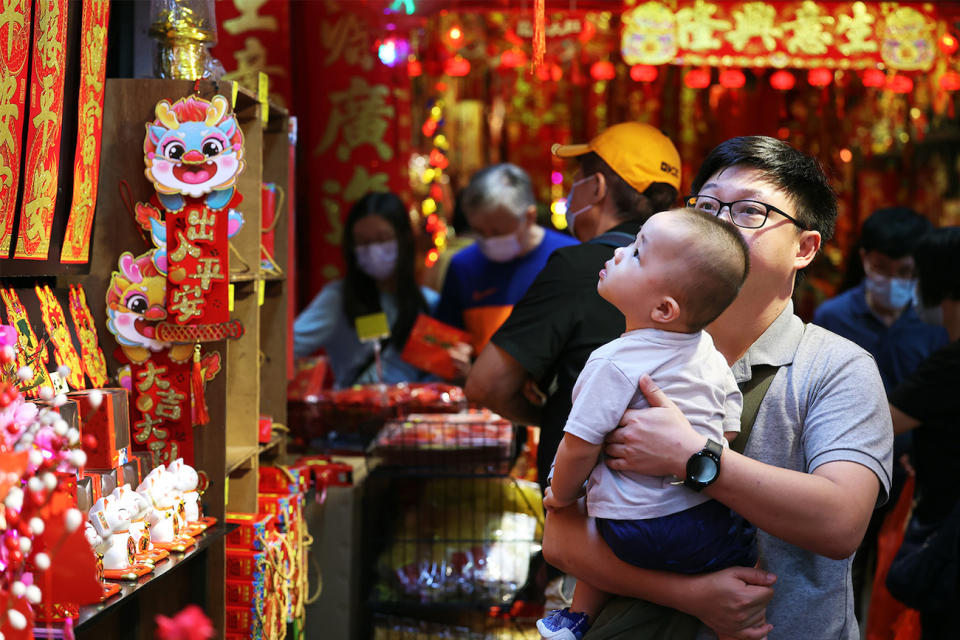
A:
[(194, 148)]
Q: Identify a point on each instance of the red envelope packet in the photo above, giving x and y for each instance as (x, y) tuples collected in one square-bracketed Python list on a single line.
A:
[(427, 346)]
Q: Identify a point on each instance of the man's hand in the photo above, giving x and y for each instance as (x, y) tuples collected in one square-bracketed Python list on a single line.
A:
[(462, 356), (656, 441), (733, 602), (551, 503)]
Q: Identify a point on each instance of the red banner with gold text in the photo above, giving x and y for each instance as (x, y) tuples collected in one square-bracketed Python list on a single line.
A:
[(43, 137), (14, 53), (86, 165), (160, 414), (355, 128), (254, 37)]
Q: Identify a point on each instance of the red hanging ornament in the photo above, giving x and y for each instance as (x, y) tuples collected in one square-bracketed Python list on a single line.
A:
[(948, 44), (900, 84), (457, 66), (874, 78), (643, 73), (198, 400), (603, 70), (819, 77), (732, 78), (782, 80), (513, 58), (550, 72), (697, 79), (438, 160), (539, 32), (950, 81)]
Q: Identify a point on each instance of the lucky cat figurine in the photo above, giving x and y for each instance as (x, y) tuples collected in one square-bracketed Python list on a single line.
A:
[(111, 522)]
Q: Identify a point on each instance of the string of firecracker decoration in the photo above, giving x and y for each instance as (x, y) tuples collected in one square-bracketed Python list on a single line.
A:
[(431, 206)]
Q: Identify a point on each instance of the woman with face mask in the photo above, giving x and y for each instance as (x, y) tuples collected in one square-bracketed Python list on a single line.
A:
[(378, 249)]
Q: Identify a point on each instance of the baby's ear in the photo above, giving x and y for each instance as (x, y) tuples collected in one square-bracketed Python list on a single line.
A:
[(666, 311)]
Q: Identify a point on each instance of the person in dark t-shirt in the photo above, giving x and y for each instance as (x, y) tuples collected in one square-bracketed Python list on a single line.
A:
[(928, 401), (627, 173)]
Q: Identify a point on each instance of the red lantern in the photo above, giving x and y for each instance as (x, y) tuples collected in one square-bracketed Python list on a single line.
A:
[(732, 78), (874, 78), (603, 70), (900, 84), (429, 128), (438, 160), (819, 77), (457, 66), (414, 68), (513, 58), (950, 81), (548, 72), (697, 79), (782, 80), (643, 73), (948, 44)]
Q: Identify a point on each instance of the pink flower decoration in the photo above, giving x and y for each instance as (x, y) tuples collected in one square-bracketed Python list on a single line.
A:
[(189, 624), (8, 336)]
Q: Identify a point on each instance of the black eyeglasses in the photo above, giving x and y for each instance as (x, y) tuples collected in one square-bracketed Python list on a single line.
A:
[(748, 214)]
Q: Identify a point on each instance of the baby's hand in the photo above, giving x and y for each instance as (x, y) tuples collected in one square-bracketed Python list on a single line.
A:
[(551, 503)]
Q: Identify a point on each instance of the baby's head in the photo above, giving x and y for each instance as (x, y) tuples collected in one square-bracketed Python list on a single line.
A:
[(685, 267)]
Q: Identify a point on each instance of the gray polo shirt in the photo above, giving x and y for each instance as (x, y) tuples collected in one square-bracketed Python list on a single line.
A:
[(826, 404)]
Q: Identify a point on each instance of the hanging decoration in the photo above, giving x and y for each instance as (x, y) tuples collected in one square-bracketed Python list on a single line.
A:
[(14, 53), (807, 34), (41, 171), (54, 321), (86, 167), (91, 356), (32, 354), (432, 177)]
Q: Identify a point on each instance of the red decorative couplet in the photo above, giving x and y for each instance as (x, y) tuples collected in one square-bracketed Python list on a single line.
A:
[(94, 364), (197, 272), (14, 51), (161, 413), (43, 138), (56, 324), (86, 168), (30, 352)]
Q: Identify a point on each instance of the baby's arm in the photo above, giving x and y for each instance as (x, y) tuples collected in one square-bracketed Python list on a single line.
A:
[(575, 459)]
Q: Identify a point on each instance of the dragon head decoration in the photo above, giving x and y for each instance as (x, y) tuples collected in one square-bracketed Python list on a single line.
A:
[(193, 148)]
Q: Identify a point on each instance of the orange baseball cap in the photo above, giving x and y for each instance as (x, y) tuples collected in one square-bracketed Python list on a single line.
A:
[(638, 152)]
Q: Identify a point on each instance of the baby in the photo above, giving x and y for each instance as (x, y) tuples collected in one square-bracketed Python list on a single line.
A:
[(682, 271)]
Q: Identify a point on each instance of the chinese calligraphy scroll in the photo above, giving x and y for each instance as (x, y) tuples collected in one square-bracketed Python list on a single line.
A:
[(91, 356), (43, 136), (805, 34), (14, 52), (56, 325), (86, 166), (30, 351)]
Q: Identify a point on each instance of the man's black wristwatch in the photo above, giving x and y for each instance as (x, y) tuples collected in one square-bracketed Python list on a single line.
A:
[(703, 467)]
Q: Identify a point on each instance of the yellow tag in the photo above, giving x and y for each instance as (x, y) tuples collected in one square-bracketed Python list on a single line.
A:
[(59, 384), (233, 95), (230, 298), (372, 327), (261, 292), (263, 96), (226, 489)]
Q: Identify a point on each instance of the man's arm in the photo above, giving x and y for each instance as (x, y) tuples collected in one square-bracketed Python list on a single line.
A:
[(732, 602), (902, 422), (496, 381), (826, 511)]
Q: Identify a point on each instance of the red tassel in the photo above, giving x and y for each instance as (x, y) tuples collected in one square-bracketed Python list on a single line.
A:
[(539, 33), (198, 401)]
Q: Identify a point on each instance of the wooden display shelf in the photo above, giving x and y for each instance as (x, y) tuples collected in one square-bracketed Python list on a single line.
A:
[(237, 456), (183, 577)]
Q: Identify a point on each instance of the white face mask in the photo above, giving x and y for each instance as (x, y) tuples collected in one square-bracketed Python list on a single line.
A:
[(501, 248), (378, 260), (572, 215)]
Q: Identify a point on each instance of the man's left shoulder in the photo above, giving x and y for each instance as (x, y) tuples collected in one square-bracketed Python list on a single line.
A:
[(554, 240)]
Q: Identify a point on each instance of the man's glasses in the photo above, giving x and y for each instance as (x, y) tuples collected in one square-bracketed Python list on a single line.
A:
[(748, 214)]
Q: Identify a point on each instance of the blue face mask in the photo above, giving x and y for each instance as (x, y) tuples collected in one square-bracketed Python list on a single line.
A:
[(892, 293)]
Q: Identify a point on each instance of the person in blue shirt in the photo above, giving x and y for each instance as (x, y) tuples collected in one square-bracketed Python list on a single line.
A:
[(880, 315), (378, 249), (486, 279)]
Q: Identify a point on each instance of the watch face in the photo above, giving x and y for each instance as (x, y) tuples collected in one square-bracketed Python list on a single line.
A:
[(702, 469)]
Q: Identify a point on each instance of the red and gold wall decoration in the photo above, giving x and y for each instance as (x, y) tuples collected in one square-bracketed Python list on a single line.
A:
[(41, 169), (14, 53)]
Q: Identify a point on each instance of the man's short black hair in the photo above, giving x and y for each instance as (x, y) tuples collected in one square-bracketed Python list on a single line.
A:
[(938, 263), (894, 232), (630, 203), (798, 175)]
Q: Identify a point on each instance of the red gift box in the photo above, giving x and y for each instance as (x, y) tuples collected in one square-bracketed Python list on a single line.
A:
[(428, 343), (243, 564), (240, 619), (109, 424), (281, 480), (253, 528), (243, 593)]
